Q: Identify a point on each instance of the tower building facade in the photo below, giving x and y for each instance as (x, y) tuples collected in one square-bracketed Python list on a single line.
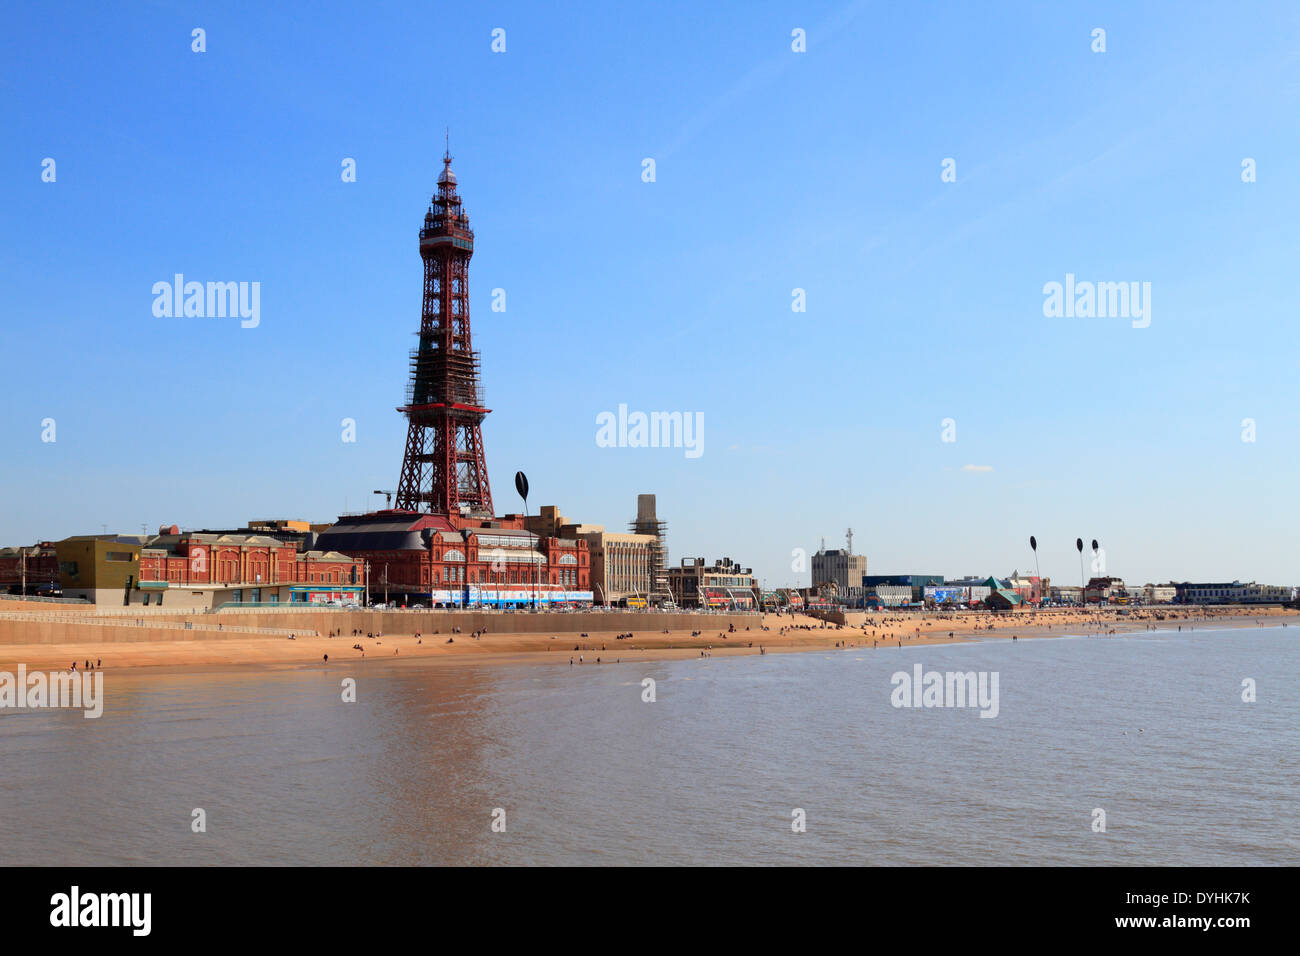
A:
[(444, 471)]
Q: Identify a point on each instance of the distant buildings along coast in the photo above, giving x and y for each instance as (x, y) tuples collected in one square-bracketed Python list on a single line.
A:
[(839, 578)]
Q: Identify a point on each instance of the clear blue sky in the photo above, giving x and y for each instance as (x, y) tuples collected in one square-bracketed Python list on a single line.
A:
[(775, 170)]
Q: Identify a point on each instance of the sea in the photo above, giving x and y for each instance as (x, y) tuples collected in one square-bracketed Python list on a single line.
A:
[(1160, 748)]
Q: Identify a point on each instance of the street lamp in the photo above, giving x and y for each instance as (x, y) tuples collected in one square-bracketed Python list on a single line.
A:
[(1033, 544), (1083, 587), (521, 486)]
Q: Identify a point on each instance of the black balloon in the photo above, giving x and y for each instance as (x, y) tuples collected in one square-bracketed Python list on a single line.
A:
[(1094, 544), (521, 484), (1078, 543), (1033, 542)]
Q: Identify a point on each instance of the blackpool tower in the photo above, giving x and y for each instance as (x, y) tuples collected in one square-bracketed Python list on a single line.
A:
[(443, 468)]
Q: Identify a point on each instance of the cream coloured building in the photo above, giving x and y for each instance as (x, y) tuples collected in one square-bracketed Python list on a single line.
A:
[(620, 564)]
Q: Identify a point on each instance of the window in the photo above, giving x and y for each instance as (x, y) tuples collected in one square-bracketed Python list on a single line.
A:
[(160, 597)]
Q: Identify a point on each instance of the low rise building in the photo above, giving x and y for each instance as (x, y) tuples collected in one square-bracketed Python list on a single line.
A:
[(888, 595), (1065, 594), (417, 558), (723, 585), (30, 569), (1003, 599), (1153, 593), (976, 588), (916, 583), (1234, 593), (204, 569), (1031, 589), (1104, 590)]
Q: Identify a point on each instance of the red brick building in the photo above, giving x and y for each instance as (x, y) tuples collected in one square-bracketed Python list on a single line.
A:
[(438, 561), (249, 568), (204, 569), (36, 566)]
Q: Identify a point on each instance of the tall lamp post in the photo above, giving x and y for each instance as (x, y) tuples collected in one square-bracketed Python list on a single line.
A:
[(1033, 544), (1095, 548), (1083, 586), (521, 486)]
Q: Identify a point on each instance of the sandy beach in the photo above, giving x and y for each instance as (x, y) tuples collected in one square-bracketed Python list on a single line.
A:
[(785, 633)]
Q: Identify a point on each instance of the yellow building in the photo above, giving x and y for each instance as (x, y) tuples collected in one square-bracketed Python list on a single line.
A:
[(100, 568)]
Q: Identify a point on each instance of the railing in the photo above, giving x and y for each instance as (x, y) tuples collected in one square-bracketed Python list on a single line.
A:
[(45, 600), (281, 606), (139, 610), (94, 621)]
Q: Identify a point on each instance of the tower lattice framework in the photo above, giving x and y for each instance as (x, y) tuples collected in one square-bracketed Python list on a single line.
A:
[(443, 468)]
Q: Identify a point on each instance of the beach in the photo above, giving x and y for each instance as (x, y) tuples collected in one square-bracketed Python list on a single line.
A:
[(113, 642)]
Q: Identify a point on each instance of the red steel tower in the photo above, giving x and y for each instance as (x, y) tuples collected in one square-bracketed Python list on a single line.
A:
[(443, 468)]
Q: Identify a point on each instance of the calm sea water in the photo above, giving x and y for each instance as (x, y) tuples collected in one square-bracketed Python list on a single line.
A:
[(1152, 729)]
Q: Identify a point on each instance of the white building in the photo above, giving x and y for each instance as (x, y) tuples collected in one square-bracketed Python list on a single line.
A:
[(1234, 593)]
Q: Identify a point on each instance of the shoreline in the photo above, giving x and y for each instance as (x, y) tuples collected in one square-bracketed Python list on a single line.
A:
[(783, 634)]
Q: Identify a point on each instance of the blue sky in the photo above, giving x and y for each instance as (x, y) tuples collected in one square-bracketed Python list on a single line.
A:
[(775, 170)]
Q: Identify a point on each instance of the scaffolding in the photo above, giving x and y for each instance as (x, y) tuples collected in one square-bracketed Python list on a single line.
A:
[(647, 522)]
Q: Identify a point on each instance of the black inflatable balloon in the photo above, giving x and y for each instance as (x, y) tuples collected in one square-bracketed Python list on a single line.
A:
[(1033, 542), (1078, 543), (521, 484), (1094, 544)]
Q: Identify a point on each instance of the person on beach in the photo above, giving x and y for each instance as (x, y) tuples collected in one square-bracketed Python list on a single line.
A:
[(327, 658)]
